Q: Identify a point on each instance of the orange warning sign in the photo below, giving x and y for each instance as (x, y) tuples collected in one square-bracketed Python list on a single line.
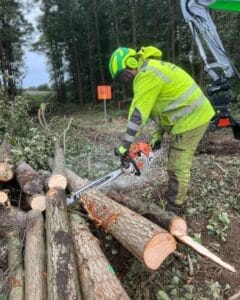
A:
[(104, 92)]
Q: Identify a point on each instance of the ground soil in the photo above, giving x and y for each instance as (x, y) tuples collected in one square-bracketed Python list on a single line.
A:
[(218, 153), (214, 199)]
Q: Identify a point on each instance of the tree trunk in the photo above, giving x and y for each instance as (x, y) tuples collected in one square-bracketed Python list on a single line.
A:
[(35, 257), (61, 265), (58, 178), (98, 280), (13, 217), (15, 266), (147, 241), (6, 164), (32, 184), (168, 220)]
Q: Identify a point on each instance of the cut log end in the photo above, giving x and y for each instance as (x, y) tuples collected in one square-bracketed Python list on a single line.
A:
[(38, 202), (3, 197), (157, 249), (6, 172), (57, 181), (178, 227)]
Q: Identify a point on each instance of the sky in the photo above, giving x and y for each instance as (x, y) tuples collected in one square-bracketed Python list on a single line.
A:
[(35, 64)]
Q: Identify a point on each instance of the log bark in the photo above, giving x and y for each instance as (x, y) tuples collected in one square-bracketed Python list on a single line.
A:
[(168, 220), (62, 279), (58, 178), (98, 280), (35, 257), (32, 184), (13, 217), (15, 266), (6, 162), (148, 242)]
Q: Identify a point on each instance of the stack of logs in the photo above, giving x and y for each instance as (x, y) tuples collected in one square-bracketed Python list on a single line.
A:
[(62, 259)]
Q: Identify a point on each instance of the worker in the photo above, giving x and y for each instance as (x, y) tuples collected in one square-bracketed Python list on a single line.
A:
[(170, 97)]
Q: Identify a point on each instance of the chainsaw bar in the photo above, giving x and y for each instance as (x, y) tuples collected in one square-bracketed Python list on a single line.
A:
[(96, 184)]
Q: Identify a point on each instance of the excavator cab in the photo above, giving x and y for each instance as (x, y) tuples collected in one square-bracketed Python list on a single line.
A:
[(221, 69)]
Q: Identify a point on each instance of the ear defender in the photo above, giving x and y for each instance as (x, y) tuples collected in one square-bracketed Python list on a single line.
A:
[(131, 62)]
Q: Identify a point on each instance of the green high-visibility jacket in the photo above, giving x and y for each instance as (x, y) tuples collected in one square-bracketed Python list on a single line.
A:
[(167, 94)]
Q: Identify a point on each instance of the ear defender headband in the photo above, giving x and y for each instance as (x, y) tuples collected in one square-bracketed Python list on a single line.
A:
[(131, 62)]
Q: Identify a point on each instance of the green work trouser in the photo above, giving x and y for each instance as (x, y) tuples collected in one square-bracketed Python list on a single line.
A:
[(181, 152)]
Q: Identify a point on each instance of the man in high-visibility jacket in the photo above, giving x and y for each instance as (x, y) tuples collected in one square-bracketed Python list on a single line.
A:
[(168, 95)]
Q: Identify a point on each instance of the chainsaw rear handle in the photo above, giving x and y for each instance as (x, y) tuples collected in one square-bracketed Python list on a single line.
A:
[(126, 160), (132, 161)]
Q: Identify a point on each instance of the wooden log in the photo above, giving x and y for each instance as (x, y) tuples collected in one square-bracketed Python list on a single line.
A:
[(148, 242), (35, 257), (62, 279), (98, 280), (13, 217), (6, 162), (32, 184), (168, 220), (58, 178), (15, 266), (176, 225)]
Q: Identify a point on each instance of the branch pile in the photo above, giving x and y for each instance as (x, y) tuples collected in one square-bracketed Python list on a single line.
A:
[(54, 254)]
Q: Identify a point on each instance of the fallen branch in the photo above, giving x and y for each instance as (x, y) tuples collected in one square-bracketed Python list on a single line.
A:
[(187, 240)]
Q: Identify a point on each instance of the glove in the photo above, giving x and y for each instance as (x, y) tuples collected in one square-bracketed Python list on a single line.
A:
[(122, 152), (156, 139)]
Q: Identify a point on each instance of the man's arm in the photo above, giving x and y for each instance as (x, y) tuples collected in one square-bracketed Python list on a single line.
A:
[(146, 90)]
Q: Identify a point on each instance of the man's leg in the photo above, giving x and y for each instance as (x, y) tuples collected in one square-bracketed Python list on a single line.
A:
[(181, 152)]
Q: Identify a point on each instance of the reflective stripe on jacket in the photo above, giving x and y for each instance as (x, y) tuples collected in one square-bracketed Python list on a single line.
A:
[(170, 96)]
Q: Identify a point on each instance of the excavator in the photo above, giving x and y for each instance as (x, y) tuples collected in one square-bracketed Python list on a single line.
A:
[(219, 67)]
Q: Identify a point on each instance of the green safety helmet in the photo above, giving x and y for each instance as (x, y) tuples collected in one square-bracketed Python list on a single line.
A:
[(122, 58)]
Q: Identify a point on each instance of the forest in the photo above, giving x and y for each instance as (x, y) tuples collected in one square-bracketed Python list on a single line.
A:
[(116, 242)]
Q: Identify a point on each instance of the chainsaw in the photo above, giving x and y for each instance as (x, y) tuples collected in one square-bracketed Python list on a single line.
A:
[(138, 158)]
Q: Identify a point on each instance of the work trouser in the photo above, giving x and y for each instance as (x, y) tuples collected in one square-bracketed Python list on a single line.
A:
[(181, 152)]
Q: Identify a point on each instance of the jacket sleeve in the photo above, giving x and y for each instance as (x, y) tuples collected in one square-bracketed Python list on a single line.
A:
[(146, 90)]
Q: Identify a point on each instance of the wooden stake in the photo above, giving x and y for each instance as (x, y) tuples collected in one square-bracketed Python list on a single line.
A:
[(187, 240)]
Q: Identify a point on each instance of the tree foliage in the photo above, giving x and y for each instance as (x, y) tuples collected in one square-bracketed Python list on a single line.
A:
[(14, 30), (78, 37)]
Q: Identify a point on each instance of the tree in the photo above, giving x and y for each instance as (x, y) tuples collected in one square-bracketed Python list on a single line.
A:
[(14, 30)]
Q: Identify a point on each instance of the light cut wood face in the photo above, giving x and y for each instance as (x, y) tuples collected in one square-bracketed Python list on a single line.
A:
[(6, 172)]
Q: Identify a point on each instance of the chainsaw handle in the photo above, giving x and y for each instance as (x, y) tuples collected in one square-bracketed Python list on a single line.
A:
[(138, 173)]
